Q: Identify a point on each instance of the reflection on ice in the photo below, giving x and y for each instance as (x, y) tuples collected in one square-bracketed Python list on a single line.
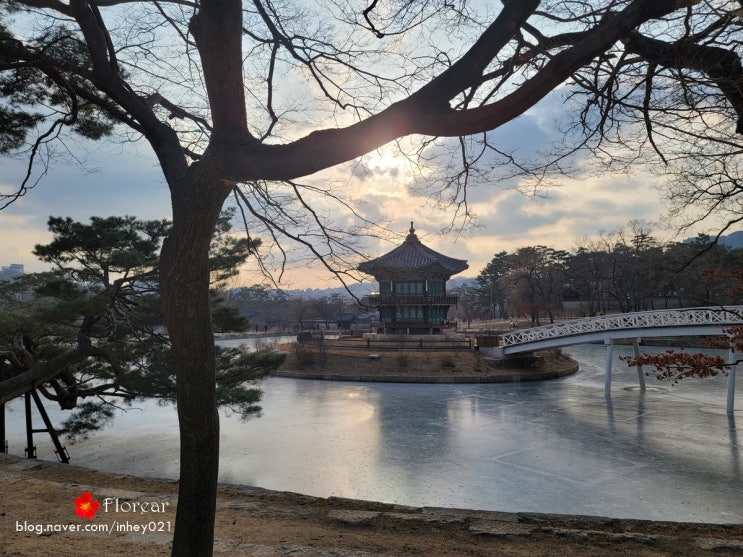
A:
[(669, 453)]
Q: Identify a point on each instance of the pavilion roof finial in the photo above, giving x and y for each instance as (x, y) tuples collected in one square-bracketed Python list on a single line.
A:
[(411, 234)]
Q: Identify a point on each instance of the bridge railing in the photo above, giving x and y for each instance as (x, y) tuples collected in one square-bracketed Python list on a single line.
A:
[(731, 315)]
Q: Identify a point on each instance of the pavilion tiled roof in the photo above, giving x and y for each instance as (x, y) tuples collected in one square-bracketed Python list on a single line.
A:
[(412, 256)]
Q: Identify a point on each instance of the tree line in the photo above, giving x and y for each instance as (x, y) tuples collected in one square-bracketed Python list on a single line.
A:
[(626, 270), (272, 309)]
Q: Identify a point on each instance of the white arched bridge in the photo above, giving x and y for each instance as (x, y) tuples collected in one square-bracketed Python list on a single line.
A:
[(707, 321)]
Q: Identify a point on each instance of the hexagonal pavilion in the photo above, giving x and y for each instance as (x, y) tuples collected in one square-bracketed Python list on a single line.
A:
[(412, 280)]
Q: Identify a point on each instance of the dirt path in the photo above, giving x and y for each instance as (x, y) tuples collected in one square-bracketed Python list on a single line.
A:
[(257, 522)]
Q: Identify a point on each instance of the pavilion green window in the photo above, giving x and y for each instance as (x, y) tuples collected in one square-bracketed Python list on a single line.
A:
[(437, 314), (436, 288), (409, 288), (410, 314)]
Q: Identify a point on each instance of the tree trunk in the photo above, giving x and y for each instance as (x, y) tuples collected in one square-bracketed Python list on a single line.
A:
[(185, 293)]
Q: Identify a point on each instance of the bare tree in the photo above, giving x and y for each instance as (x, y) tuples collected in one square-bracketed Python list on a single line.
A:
[(707, 190), (537, 276), (219, 89)]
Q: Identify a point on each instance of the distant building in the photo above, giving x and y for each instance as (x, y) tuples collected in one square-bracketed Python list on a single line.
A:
[(412, 296), (11, 271)]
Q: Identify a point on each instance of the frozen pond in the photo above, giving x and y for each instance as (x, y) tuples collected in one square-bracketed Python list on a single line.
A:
[(670, 453)]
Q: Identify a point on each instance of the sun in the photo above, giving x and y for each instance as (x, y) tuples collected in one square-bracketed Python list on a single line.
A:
[(384, 158), (387, 173)]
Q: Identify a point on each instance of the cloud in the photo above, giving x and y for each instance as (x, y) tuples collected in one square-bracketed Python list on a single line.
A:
[(20, 235), (126, 179)]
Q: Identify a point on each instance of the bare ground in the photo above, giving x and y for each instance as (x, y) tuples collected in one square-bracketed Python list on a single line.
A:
[(257, 522)]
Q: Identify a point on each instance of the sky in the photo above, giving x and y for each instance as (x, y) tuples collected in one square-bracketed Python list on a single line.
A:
[(108, 178), (104, 179)]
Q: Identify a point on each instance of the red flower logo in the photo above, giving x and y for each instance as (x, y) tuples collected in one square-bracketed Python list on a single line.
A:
[(85, 505)]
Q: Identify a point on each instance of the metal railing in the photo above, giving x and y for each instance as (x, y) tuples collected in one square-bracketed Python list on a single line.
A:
[(628, 321), (387, 345), (414, 323), (375, 300)]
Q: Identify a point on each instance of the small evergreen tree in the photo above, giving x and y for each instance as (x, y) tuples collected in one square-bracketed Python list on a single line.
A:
[(94, 321)]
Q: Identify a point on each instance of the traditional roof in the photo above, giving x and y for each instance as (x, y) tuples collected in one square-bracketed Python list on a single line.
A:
[(412, 257)]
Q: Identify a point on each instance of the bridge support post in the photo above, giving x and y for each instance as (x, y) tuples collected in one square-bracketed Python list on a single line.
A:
[(607, 369), (640, 372), (732, 359)]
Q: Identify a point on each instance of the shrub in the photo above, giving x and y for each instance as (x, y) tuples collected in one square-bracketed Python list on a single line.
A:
[(303, 354), (403, 360), (447, 362)]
